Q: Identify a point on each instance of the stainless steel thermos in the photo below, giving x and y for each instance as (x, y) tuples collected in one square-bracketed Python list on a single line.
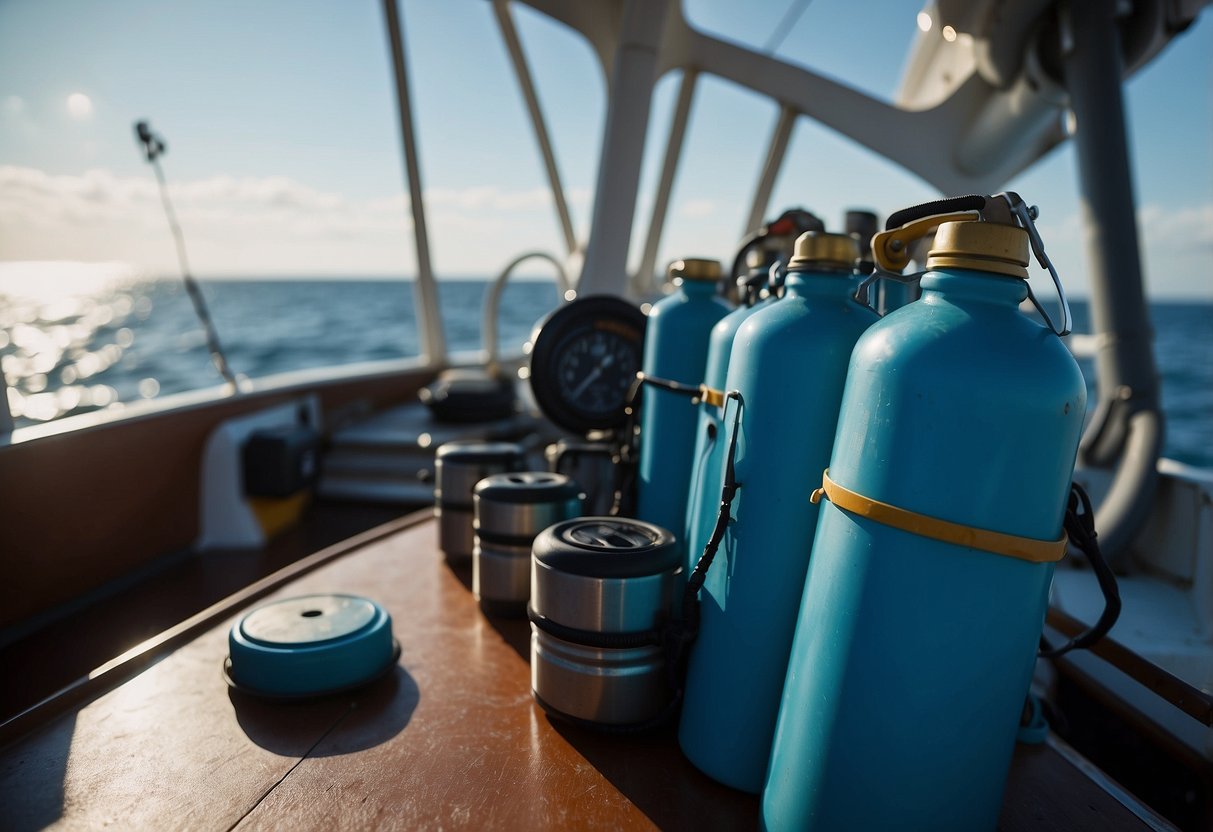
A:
[(510, 510), (458, 466), (600, 595)]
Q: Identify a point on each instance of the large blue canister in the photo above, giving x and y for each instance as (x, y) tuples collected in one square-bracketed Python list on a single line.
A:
[(707, 462), (913, 655), (676, 349), (789, 363)]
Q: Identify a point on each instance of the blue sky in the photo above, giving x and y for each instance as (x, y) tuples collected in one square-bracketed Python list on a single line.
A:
[(284, 156)]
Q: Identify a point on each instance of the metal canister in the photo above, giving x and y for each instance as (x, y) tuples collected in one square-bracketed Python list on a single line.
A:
[(789, 364), (591, 464), (675, 348), (600, 594), (960, 413), (510, 509), (458, 466)]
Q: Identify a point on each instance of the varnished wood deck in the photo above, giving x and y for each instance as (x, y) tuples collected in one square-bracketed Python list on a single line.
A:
[(451, 739), (120, 616)]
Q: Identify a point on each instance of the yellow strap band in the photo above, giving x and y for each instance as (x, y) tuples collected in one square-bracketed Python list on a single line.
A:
[(1024, 548), (712, 397)]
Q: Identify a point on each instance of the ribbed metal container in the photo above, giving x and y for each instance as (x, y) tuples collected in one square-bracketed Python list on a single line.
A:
[(600, 594), (589, 463), (458, 466), (510, 510)]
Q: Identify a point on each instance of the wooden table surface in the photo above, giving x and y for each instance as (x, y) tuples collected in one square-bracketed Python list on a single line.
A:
[(451, 739)]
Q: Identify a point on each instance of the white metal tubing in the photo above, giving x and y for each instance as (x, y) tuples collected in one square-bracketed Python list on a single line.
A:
[(632, 78), (509, 33), (923, 142), (425, 291), (770, 168), (492, 300), (644, 279)]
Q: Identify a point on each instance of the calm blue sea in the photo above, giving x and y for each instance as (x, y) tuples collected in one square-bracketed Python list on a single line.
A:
[(64, 355)]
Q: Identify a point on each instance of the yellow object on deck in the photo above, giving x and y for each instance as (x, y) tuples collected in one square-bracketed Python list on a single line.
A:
[(277, 514)]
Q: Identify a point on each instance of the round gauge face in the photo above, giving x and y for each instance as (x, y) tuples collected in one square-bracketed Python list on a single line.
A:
[(584, 357)]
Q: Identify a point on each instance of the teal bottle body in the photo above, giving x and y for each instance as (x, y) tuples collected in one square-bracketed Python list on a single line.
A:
[(675, 348), (707, 463), (789, 363), (913, 656)]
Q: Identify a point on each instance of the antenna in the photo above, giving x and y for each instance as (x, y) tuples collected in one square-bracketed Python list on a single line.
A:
[(153, 148)]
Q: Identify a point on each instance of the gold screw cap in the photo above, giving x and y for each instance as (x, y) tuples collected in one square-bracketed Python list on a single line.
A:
[(695, 268), (984, 246), (821, 250)]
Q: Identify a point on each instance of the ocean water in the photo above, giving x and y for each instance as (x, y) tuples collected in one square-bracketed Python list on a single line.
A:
[(72, 353)]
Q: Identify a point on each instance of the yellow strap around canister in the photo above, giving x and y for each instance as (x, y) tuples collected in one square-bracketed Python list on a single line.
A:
[(1024, 548), (712, 397)]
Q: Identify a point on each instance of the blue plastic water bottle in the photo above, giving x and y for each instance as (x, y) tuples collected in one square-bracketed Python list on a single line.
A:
[(914, 649), (789, 363), (708, 458), (676, 349)]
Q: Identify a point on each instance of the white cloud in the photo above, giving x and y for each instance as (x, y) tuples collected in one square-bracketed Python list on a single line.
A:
[(1187, 227), (1175, 245), (257, 225), (698, 208)]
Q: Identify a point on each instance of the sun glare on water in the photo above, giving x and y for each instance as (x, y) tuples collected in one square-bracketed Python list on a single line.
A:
[(62, 326)]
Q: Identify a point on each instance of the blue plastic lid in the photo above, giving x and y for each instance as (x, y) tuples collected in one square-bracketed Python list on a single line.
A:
[(310, 646)]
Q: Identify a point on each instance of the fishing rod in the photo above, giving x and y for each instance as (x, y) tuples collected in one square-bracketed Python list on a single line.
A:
[(153, 148)]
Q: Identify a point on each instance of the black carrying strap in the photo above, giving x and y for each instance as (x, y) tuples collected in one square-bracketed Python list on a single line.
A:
[(683, 628), (627, 453), (951, 205), (1080, 527)]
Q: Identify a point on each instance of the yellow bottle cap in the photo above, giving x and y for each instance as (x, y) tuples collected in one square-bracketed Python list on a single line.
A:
[(984, 246), (821, 250), (694, 268)]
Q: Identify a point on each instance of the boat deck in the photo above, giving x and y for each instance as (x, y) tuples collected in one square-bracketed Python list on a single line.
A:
[(450, 739)]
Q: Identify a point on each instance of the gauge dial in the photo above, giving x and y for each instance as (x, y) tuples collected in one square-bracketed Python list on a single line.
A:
[(584, 357)]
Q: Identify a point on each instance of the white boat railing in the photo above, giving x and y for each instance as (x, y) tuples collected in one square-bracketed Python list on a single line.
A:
[(425, 291), (492, 300), (522, 71)]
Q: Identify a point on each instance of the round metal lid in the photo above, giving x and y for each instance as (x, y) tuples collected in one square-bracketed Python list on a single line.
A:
[(477, 452), (527, 487), (607, 547)]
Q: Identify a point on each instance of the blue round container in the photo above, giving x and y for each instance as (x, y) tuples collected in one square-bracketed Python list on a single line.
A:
[(675, 348), (310, 646), (913, 656), (789, 363), (707, 461)]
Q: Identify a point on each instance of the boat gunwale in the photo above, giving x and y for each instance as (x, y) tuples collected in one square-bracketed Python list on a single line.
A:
[(287, 383)]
